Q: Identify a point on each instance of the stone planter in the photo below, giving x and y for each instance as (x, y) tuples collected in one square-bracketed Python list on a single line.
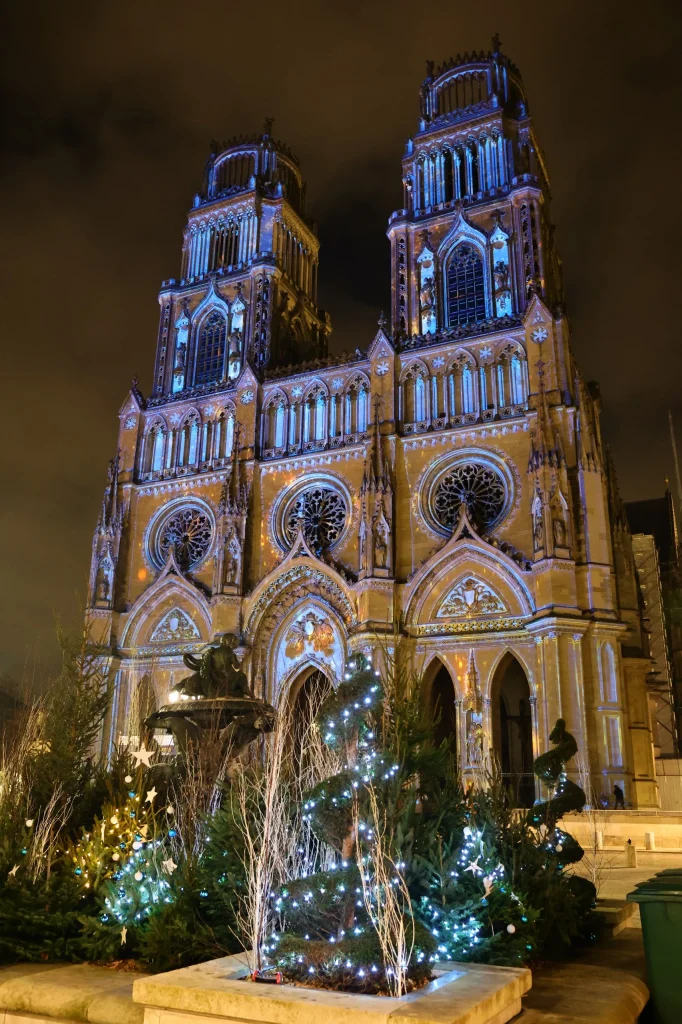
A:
[(216, 991)]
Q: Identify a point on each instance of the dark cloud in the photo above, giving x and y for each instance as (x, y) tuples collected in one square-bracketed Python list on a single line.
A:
[(108, 110)]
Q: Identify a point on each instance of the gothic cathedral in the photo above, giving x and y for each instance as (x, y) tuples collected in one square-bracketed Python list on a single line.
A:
[(444, 493)]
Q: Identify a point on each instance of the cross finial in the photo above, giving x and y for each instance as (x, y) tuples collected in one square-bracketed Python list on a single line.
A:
[(267, 125), (497, 43)]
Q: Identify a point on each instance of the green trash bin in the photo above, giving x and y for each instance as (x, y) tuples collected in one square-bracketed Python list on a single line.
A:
[(660, 907)]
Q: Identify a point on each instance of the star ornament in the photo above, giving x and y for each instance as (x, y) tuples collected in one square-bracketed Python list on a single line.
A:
[(169, 866), (473, 867), (12, 871), (142, 756), (124, 935), (151, 795)]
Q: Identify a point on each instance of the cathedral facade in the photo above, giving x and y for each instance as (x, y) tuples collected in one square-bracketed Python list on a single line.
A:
[(444, 493)]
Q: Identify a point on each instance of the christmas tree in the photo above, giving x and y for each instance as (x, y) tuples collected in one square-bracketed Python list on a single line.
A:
[(351, 926)]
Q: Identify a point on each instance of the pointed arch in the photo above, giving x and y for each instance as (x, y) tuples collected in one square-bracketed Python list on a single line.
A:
[(464, 256), (512, 727), (168, 593), (440, 704), (461, 557)]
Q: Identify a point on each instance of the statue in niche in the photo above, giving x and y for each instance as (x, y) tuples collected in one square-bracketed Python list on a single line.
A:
[(181, 356), (426, 293), (538, 530), (559, 528), (382, 535), (362, 534), (103, 582), (501, 277), (234, 360), (233, 558), (475, 743)]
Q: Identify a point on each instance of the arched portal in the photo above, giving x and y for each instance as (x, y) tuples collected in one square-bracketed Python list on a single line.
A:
[(306, 695), (443, 710), (513, 729)]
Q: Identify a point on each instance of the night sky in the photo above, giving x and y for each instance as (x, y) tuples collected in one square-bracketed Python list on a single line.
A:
[(109, 109)]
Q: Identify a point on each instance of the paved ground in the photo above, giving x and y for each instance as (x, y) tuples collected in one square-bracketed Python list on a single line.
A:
[(601, 984), (617, 881)]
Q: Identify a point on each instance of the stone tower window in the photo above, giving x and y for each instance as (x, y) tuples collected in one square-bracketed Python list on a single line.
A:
[(211, 349), (465, 286)]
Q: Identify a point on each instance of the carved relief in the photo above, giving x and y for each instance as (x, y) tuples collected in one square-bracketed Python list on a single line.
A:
[(468, 598), (176, 626)]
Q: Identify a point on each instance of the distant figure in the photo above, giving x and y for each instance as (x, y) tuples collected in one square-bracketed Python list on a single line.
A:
[(620, 798)]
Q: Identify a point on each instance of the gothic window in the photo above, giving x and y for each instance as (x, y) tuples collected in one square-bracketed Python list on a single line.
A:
[(280, 439), (188, 452), (468, 397), (322, 512), (502, 395), (315, 414), (211, 349), (362, 410), (419, 399), (465, 286), (187, 529), (448, 175), (414, 395), (156, 439), (357, 398), (319, 418), (483, 387), (275, 422), (518, 391), (224, 434), (479, 487)]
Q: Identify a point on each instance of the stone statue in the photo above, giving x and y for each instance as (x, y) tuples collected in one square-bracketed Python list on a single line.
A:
[(362, 535), (426, 293), (381, 538), (538, 530), (180, 356), (559, 528), (103, 584), (233, 558), (234, 360), (216, 673), (475, 743), (501, 277)]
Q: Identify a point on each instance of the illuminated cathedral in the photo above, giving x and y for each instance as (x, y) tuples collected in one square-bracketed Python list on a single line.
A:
[(444, 494)]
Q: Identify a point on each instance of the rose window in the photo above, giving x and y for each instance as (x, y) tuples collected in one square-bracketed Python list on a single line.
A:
[(190, 532), (477, 486), (322, 512)]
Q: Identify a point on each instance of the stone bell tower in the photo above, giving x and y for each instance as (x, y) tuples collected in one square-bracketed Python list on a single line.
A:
[(248, 284), (474, 171)]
